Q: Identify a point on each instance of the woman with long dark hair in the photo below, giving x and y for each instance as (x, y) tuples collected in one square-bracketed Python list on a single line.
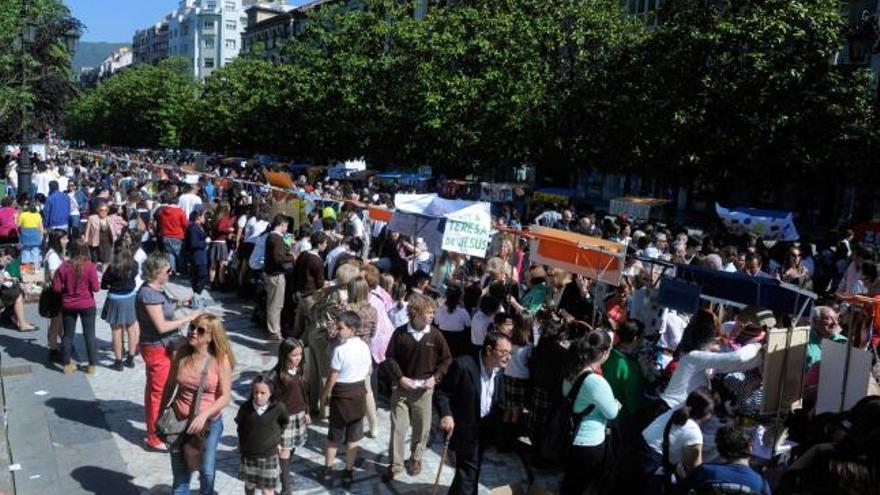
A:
[(223, 227), (455, 322), (292, 388), (77, 282), (594, 404), (120, 279), (699, 357), (55, 248), (674, 440)]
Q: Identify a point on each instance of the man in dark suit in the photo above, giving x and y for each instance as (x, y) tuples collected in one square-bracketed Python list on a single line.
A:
[(470, 400)]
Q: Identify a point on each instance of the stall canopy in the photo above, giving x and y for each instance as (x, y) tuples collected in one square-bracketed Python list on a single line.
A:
[(743, 289), (588, 256), (450, 224), (637, 208), (766, 224)]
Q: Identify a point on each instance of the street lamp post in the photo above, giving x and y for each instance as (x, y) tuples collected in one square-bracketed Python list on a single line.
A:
[(25, 170)]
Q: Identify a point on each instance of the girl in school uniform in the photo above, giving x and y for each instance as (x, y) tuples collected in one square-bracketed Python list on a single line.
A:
[(261, 422), (292, 389)]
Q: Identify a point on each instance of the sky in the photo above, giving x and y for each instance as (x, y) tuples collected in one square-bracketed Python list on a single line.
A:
[(117, 20)]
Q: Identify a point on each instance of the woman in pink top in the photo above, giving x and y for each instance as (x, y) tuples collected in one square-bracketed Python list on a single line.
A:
[(8, 226), (76, 280), (206, 345)]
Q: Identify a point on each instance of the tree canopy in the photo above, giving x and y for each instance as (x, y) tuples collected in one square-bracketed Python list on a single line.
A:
[(716, 92), (38, 101)]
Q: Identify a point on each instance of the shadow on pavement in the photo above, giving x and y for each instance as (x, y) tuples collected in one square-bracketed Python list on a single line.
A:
[(98, 480), (26, 348)]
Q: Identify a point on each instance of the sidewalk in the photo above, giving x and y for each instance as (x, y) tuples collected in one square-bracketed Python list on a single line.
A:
[(85, 434), (55, 431)]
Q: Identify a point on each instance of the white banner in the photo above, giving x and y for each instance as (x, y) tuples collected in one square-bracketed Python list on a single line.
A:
[(468, 231), (766, 224)]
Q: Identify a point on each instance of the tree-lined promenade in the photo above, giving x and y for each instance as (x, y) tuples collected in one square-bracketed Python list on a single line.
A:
[(716, 95)]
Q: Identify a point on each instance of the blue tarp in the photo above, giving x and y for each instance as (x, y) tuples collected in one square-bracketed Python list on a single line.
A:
[(765, 292)]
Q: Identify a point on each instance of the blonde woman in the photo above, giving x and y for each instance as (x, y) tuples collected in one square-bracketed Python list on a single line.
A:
[(206, 348)]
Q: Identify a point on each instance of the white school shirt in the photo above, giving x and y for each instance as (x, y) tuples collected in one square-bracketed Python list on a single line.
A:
[(679, 436), (352, 360), (456, 321)]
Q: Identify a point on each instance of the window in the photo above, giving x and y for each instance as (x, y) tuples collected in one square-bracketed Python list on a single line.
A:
[(230, 25), (230, 5), (211, 5), (208, 25), (209, 42), (230, 44), (209, 63)]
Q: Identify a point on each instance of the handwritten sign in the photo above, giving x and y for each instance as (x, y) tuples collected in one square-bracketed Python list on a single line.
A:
[(467, 232)]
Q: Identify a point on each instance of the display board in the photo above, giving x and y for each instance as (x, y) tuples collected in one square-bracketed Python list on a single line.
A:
[(784, 364)]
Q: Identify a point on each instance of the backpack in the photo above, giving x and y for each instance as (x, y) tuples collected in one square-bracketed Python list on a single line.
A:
[(562, 424)]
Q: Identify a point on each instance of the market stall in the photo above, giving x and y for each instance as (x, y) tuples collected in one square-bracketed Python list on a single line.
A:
[(638, 208)]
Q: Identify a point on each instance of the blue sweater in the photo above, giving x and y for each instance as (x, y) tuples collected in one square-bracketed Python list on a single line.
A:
[(197, 244), (57, 210)]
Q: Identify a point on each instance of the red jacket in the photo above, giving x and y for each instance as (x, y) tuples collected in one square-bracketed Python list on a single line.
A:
[(171, 221), (76, 292)]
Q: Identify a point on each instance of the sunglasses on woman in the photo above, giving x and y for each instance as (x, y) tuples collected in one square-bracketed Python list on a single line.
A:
[(199, 330)]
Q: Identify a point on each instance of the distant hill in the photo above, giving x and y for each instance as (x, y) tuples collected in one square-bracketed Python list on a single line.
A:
[(91, 54)]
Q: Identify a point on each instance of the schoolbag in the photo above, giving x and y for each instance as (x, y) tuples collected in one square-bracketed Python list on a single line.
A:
[(562, 424)]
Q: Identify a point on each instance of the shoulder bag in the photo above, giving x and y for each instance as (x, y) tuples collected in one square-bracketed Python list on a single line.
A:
[(168, 427)]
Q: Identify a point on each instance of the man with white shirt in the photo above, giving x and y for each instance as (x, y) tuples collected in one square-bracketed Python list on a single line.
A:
[(418, 357), (189, 199), (470, 399)]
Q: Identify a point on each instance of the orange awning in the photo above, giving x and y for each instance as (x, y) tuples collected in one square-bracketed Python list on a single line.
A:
[(583, 255)]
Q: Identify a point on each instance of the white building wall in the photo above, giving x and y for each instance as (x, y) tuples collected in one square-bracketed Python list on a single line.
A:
[(208, 33)]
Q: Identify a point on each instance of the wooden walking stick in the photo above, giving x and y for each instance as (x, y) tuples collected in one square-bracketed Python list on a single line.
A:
[(442, 462)]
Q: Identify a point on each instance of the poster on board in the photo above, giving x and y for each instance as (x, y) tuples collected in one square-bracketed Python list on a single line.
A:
[(833, 369), (467, 231), (788, 369)]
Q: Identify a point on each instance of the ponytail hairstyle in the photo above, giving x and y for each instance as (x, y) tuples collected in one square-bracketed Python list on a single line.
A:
[(586, 351), (453, 298), (698, 405)]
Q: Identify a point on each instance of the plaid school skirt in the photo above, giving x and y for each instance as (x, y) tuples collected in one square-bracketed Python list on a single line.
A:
[(515, 392), (263, 472), (296, 433)]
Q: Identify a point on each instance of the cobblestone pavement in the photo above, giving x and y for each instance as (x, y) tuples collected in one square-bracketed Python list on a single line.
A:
[(119, 397)]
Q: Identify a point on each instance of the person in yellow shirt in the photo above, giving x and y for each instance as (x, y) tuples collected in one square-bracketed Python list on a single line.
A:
[(30, 224)]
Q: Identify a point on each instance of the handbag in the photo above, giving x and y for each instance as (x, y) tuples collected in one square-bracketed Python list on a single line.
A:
[(50, 303), (168, 427)]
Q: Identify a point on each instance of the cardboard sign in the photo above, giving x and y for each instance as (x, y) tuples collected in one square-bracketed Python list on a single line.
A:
[(831, 377), (788, 369)]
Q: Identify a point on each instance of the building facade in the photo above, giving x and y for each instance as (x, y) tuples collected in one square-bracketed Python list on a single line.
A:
[(150, 45), (206, 32)]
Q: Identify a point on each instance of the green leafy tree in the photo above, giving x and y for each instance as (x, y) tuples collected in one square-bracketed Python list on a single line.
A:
[(746, 90), (37, 102), (143, 106)]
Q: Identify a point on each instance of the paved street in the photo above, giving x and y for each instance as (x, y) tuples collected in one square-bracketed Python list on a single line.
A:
[(76, 435)]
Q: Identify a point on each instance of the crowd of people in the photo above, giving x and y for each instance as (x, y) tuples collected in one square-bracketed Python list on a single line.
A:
[(473, 353)]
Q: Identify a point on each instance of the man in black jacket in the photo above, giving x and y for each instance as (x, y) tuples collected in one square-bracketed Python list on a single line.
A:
[(470, 400)]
